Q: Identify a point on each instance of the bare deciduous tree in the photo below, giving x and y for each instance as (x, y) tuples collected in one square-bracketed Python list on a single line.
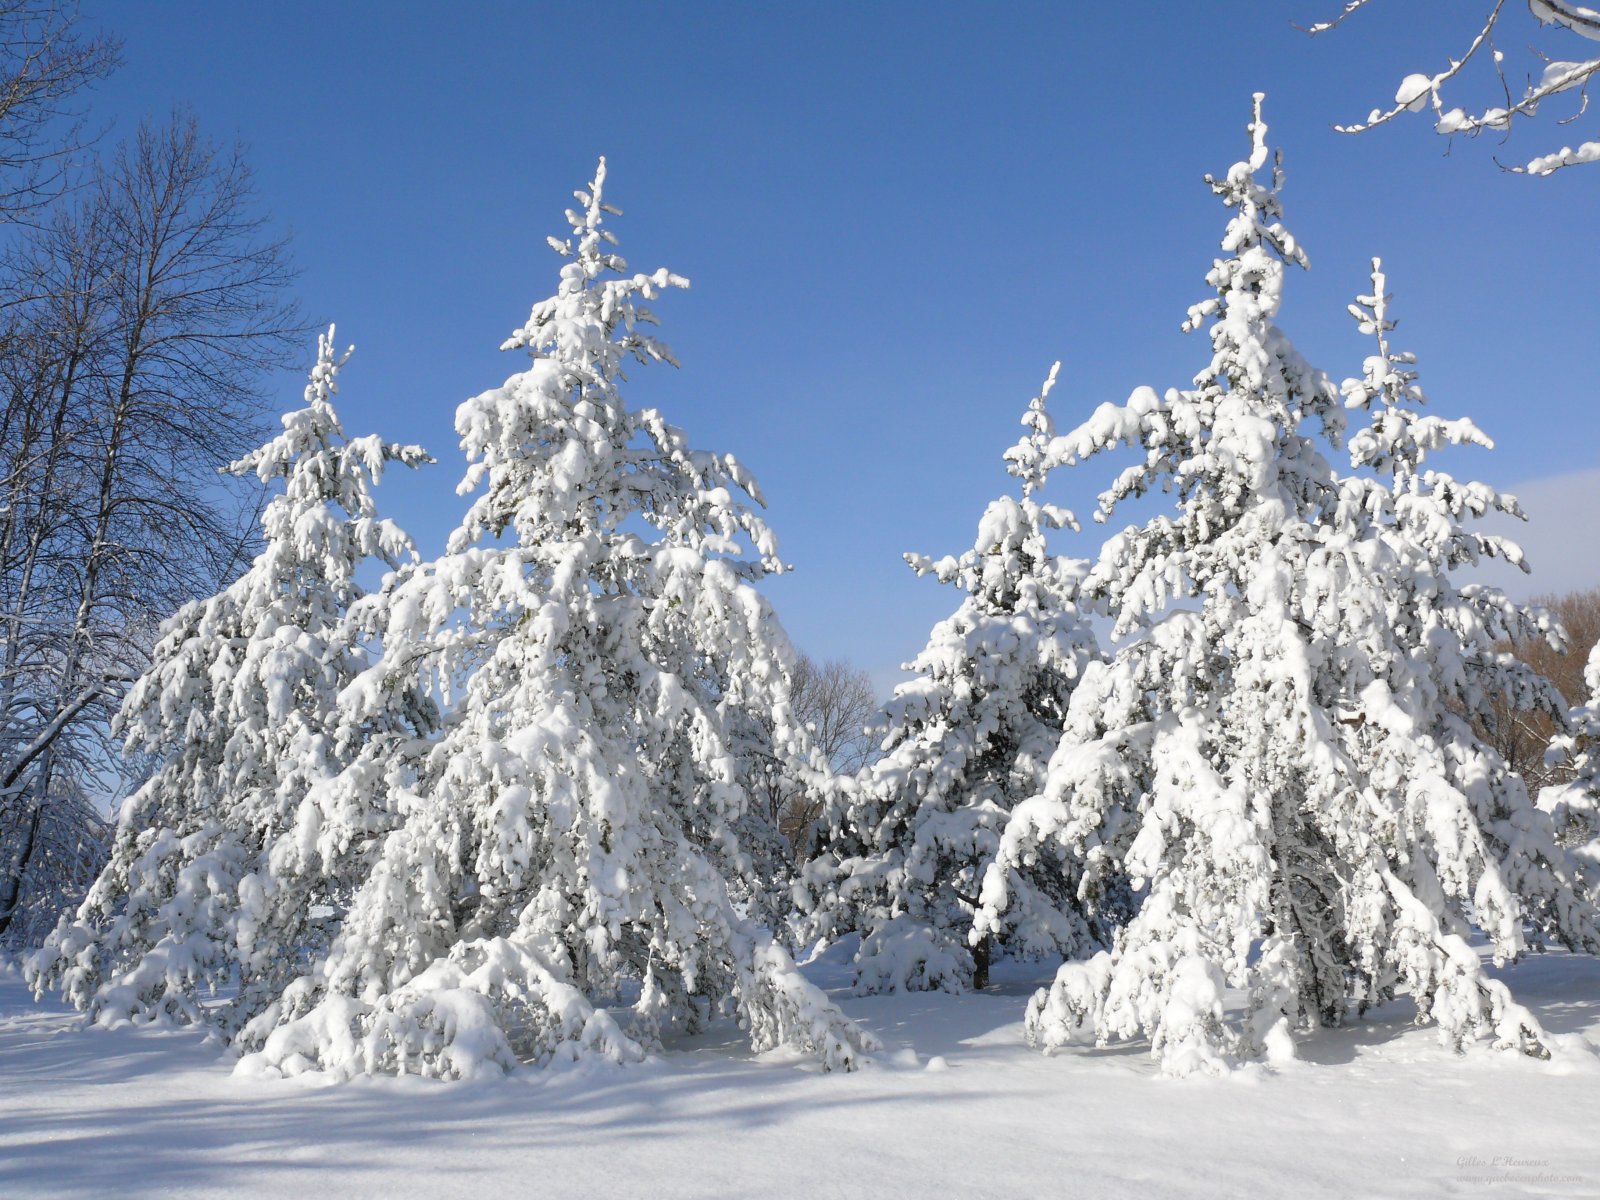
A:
[(47, 63), (1521, 737), (836, 702), (149, 308)]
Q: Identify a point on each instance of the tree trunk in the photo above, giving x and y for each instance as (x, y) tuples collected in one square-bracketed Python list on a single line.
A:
[(11, 885), (981, 954)]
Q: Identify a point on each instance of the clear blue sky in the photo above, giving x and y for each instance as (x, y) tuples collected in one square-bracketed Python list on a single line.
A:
[(895, 217)]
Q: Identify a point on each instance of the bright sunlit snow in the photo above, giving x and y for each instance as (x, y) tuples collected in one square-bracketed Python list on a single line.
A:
[(959, 1107)]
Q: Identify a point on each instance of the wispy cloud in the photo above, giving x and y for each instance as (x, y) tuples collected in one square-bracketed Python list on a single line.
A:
[(1561, 537)]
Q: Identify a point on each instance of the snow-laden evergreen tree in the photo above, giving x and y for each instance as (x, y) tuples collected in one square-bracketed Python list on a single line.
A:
[(1574, 806), (1281, 758), (1418, 515), (235, 859), (1462, 844), (578, 843), (903, 849)]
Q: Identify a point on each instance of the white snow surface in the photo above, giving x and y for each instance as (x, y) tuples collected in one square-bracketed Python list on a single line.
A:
[(956, 1106)]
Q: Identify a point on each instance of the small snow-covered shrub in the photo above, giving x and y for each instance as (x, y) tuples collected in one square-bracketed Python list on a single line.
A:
[(902, 851)]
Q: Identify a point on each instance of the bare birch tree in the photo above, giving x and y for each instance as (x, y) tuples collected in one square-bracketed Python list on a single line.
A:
[(46, 63), (149, 309)]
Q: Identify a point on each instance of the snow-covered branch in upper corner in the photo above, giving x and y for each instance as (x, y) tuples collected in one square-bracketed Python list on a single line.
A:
[(1421, 90)]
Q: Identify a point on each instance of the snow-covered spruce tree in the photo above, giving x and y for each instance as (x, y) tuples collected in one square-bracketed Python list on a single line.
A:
[(1574, 806), (234, 860), (901, 854), (576, 841), (1278, 758), (1461, 843), (1460, 632)]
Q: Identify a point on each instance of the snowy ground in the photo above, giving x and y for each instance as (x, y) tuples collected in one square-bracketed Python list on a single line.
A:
[(1377, 1110)]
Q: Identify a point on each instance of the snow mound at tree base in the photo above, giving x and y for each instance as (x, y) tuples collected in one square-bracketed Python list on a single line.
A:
[(494, 1004), (904, 955)]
